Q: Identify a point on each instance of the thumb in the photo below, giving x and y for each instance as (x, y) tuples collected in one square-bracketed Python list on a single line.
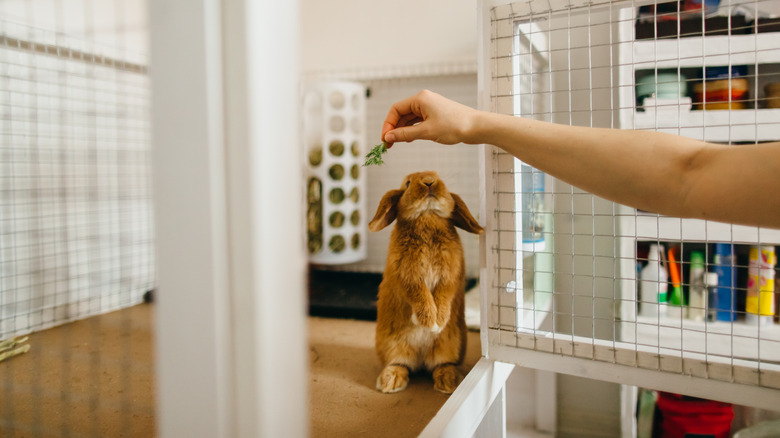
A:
[(405, 134)]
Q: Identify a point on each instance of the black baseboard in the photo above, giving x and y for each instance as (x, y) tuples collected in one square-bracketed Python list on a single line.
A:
[(351, 295)]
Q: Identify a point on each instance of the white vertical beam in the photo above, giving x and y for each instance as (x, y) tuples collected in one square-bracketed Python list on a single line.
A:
[(486, 183), (268, 258), (628, 401), (192, 311), (546, 401), (231, 314)]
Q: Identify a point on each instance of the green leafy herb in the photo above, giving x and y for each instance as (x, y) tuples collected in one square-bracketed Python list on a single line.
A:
[(375, 156)]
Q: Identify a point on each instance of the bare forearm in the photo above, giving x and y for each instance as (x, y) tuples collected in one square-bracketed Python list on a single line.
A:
[(658, 172)]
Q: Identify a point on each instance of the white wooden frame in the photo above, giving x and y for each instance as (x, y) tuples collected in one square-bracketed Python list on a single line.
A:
[(477, 407), (231, 315)]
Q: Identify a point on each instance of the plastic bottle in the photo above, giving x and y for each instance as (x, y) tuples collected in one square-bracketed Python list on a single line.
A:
[(711, 282), (697, 292), (532, 199), (676, 310), (727, 276), (760, 303), (653, 285)]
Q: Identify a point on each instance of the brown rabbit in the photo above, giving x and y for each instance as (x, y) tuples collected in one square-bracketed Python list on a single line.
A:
[(420, 312)]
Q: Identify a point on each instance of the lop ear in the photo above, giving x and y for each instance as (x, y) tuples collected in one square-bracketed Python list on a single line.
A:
[(387, 210), (462, 218)]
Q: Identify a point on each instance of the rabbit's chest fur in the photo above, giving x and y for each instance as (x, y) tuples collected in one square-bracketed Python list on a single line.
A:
[(428, 253)]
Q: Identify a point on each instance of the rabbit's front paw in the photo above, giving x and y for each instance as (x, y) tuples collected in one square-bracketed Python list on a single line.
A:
[(442, 321), (426, 319)]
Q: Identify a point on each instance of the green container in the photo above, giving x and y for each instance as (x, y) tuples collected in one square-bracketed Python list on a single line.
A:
[(663, 86)]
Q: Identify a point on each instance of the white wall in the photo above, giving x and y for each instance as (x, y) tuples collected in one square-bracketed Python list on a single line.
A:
[(396, 49), (376, 35)]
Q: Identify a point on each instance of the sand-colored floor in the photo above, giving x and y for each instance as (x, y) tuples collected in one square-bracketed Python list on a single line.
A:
[(344, 401), (95, 378)]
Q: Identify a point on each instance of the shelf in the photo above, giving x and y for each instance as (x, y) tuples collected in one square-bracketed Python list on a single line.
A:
[(760, 48), (723, 125), (747, 125), (650, 227), (721, 339)]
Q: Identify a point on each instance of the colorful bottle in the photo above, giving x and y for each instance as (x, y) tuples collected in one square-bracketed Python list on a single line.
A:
[(760, 302), (697, 291), (711, 282), (532, 199), (653, 285), (675, 310), (727, 276)]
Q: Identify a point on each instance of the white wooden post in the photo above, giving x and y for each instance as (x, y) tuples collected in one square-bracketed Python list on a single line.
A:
[(193, 307), (231, 333), (265, 181)]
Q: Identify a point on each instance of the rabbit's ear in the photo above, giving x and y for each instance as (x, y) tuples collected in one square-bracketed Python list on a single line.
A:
[(462, 218), (387, 211)]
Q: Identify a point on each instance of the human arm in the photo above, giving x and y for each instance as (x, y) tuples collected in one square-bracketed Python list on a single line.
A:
[(653, 171)]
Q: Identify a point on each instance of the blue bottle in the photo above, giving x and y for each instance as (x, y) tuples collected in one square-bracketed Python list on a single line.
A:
[(727, 277), (533, 217)]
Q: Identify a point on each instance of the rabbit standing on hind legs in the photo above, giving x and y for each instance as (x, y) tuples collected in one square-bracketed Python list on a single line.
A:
[(421, 305)]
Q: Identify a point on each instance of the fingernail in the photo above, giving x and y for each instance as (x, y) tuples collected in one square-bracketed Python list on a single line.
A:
[(390, 137)]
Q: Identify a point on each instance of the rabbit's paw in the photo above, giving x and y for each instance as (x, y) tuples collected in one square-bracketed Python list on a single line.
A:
[(426, 318), (443, 317), (393, 378), (445, 378)]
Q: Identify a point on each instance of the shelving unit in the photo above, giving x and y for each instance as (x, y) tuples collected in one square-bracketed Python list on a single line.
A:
[(715, 339), (759, 124)]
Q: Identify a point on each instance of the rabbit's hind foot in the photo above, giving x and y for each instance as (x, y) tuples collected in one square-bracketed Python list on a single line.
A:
[(393, 378), (445, 378)]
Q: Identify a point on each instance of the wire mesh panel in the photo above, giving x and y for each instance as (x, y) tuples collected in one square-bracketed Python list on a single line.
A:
[(595, 282), (75, 227)]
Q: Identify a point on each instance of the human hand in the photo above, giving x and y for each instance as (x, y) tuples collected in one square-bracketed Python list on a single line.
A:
[(428, 116)]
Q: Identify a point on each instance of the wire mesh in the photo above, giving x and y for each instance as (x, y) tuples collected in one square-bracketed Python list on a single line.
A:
[(76, 238), (566, 267)]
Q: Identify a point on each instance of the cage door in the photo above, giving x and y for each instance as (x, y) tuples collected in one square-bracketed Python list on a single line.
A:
[(561, 278)]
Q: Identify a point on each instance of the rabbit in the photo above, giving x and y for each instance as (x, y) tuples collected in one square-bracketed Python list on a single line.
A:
[(421, 305)]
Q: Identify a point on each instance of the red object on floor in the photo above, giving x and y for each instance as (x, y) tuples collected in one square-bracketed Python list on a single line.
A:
[(687, 416)]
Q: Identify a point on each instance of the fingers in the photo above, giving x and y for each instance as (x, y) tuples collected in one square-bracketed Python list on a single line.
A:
[(399, 109), (424, 116), (400, 114), (408, 120), (407, 113)]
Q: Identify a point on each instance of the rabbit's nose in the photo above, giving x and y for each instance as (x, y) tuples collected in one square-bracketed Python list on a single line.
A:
[(428, 183)]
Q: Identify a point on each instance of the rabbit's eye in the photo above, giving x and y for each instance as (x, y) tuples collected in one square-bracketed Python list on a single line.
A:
[(407, 183)]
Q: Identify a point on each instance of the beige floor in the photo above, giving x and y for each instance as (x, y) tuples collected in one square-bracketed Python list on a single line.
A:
[(344, 401), (52, 390), (93, 377)]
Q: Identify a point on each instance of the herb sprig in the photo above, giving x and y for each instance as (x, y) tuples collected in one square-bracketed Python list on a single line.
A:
[(375, 156)]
